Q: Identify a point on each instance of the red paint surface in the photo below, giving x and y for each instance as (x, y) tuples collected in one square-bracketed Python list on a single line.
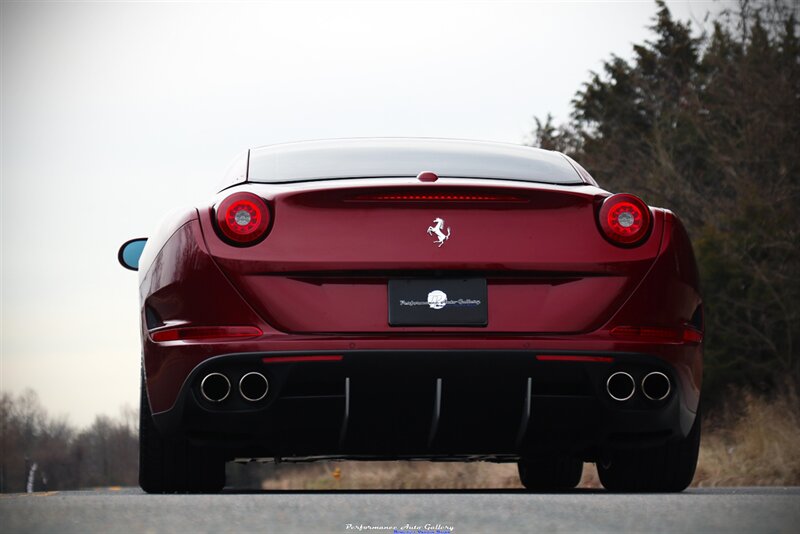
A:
[(318, 281)]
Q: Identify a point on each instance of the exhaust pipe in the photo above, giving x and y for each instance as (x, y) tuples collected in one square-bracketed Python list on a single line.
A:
[(253, 386), (215, 387), (656, 386), (620, 386)]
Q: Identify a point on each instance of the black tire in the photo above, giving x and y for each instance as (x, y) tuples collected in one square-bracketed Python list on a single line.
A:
[(173, 465), (667, 468), (550, 473)]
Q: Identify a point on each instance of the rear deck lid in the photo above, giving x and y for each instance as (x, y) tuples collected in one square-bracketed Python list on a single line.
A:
[(336, 246)]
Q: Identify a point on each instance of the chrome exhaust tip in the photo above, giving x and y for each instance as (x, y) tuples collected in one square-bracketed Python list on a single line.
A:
[(620, 386), (253, 386), (656, 386), (215, 387)]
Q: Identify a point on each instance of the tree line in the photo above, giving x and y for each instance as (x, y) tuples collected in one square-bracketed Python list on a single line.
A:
[(707, 124), (42, 453), (39, 452)]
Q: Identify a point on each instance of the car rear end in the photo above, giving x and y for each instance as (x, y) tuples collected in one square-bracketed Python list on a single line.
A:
[(329, 318)]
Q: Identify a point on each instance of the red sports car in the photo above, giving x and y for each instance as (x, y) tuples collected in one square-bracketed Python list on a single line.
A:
[(419, 299)]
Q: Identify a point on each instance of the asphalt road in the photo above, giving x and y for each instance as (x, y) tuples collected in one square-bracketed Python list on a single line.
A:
[(750, 510)]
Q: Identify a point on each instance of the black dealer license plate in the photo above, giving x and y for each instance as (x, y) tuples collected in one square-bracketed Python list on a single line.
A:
[(451, 302)]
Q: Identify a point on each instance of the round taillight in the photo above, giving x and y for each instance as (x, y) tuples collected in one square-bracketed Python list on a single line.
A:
[(243, 218), (625, 219)]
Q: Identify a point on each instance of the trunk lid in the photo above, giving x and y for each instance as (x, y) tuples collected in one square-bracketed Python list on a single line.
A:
[(334, 247)]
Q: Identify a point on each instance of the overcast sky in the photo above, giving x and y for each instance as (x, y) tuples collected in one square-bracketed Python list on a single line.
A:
[(115, 113)]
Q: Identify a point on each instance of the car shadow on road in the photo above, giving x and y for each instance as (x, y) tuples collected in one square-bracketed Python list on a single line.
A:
[(483, 491), (478, 491)]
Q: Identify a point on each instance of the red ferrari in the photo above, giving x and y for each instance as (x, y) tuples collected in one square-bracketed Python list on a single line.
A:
[(419, 299)]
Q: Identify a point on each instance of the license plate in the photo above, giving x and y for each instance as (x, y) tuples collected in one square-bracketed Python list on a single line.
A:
[(446, 302)]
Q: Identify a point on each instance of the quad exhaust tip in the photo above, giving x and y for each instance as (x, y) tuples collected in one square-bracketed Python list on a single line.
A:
[(620, 386), (215, 387), (253, 386), (656, 386)]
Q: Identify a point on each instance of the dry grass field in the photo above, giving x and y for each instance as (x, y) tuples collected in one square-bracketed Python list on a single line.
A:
[(753, 442)]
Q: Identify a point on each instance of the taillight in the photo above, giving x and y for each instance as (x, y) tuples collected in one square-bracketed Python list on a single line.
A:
[(573, 358), (243, 218), (437, 197), (304, 358), (204, 333), (625, 219), (656, 333)]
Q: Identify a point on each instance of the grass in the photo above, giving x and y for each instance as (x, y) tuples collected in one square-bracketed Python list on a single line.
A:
[(753, 441)]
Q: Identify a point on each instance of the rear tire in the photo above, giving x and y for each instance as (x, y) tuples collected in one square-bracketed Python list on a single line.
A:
[(550, 473), (666, 468), (173, 465)]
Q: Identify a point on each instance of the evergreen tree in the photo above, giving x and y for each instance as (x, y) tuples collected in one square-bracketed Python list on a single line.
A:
[(709, 126)]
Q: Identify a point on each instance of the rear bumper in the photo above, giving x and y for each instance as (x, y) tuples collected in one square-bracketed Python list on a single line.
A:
[(468, 404)]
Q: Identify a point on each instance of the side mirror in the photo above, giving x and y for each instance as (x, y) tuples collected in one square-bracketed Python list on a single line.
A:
[(130, 252)]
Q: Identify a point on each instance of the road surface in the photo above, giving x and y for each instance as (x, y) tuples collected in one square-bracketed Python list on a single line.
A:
[(750, 510)]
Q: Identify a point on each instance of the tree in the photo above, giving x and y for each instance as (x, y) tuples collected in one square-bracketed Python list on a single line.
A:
[(709, 125), (104, 454)]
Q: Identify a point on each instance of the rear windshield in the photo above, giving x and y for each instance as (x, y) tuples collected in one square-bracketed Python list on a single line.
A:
[(369, 158)]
